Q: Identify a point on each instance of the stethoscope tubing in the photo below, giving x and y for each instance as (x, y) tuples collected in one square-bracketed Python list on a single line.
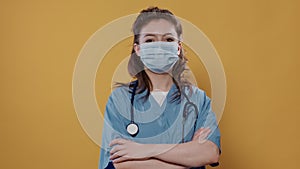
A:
[(186, 107)]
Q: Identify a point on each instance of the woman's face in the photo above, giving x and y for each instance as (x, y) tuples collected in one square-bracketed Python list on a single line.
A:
[(157, 30)]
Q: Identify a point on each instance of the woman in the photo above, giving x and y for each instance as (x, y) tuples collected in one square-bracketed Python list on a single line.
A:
[(160, 120)]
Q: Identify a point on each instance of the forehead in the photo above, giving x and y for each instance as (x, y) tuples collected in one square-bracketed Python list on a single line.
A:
[(158, 26)]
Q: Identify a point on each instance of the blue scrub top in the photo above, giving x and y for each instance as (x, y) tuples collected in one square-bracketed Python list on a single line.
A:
[(157, 124)]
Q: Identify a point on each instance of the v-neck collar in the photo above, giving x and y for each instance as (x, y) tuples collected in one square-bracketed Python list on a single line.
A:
[(167, 98), (159, 96), (171, 91)]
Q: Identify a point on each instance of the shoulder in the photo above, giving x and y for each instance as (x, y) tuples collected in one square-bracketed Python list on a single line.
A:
[(117, 102), (198, 91), (194, 91), (197, 95), (120, 90), (119, 93)]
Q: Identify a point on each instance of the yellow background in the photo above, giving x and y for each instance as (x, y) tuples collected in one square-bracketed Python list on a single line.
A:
[(258, 43)]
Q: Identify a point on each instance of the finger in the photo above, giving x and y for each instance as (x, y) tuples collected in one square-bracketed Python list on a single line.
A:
[(116, 149), (199, 130), (117, 141), (118, 154), (196, 136), (120, 159), (204, 133), (205, 130), (197, 133), (203, 137), (114, 156)]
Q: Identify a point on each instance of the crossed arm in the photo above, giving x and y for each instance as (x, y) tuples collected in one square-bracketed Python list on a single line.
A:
[(198, 152)]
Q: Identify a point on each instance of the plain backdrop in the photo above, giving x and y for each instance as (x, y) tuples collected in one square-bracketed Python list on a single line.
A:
[(257, 40)]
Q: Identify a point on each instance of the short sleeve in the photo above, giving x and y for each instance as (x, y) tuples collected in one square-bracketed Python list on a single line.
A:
[(207, 119), (112, 129)]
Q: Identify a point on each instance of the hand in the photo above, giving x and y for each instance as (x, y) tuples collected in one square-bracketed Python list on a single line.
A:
[(201, 135), (124, 150)]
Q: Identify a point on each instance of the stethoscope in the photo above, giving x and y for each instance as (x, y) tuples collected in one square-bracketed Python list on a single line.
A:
[(133, 128), (186, 108)]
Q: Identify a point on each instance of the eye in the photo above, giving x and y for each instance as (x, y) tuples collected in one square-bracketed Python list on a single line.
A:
[(148, 40), (170, 39)]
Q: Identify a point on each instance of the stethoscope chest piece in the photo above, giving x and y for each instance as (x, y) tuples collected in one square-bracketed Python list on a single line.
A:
[(132, 128)]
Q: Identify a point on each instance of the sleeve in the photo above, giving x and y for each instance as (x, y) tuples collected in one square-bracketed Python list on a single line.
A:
[(207, 119), (113, 128)]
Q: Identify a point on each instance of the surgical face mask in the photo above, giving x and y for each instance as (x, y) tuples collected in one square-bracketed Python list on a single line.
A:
[(159, 57)]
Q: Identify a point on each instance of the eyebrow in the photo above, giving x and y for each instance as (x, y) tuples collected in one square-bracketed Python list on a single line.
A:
[(151, 34)]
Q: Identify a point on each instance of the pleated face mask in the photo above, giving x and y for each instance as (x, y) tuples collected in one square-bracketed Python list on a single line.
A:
[(159, 57)]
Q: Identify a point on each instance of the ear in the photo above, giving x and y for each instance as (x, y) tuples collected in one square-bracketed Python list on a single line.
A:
[(179, 48), (136, 49)]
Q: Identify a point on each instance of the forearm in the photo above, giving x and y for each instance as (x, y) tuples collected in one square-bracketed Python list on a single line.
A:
[(147, 164), (192, 154), (198, 152)]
